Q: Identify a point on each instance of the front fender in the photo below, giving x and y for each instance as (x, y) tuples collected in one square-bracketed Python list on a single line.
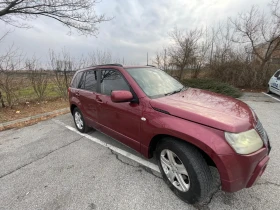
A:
[(208, 139)]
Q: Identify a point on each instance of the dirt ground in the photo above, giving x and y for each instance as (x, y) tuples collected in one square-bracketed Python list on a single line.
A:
[(31, 108)]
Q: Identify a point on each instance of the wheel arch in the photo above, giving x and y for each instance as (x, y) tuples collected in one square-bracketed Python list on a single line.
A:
[(159, 137), (72, 107)]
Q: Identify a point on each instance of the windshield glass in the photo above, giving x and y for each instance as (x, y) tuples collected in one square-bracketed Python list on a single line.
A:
[(154, 82)]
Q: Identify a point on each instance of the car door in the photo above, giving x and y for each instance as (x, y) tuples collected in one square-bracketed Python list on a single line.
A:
[(278, 83), (275, 82), (119, 120), (87, 95)]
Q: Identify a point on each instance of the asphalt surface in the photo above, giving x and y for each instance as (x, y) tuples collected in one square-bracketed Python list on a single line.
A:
[(48, 166), (260, 97)]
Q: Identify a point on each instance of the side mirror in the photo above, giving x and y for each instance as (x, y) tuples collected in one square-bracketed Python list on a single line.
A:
[(119, 96)]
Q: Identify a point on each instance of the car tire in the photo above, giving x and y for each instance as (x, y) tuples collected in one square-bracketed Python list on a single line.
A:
[(268, 89), (192, 185), (79, 121)]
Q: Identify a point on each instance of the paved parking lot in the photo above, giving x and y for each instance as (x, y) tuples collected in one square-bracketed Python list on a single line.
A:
[(49, 166), (260, 97)]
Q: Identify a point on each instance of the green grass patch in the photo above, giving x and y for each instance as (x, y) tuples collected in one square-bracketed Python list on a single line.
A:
[(214, 86), (28, 93)]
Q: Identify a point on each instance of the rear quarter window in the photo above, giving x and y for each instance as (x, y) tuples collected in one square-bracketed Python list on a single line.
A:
[(76, 80)]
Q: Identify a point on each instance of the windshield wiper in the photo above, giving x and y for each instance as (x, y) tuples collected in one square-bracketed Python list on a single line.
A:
[(176, 91)]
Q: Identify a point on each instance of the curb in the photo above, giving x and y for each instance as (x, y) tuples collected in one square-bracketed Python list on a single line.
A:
[(35, 117)]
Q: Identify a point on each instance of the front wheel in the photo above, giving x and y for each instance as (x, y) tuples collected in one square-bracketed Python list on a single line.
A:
[(184, 170), (268, 89)]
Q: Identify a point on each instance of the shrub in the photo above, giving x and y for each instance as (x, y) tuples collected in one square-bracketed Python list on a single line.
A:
[(214, 86)]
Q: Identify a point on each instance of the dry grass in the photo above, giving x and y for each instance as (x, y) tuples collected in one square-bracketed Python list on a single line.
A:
[(32, 108), (31, 122)]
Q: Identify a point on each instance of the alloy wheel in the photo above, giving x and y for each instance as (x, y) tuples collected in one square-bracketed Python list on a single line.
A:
[(175, 170), (78, 120)]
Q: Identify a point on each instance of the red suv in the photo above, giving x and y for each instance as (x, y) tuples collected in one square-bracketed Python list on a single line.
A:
[(188, 129)]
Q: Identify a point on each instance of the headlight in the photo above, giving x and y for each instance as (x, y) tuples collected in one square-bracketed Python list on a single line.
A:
[(244, 143)]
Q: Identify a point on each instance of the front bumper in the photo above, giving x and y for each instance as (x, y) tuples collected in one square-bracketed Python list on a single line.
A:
[(245, 182), (258, 171), (242, 171)]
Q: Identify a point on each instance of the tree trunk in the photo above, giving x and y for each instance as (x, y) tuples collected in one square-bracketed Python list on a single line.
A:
[(262, 66), (2, 100), (181, 74)]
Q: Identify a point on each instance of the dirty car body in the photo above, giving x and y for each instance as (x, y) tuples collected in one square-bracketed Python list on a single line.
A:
[(147, 110)]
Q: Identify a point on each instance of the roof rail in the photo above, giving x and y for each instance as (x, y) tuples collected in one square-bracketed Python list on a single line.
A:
[(111, 64), (151, 65)]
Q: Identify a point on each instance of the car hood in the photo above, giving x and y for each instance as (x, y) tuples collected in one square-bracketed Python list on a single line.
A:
[(208, 108)]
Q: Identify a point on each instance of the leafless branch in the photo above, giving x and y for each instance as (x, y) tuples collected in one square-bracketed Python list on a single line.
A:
[(183, 53), (38, 77), (76, 14), (10, 63)]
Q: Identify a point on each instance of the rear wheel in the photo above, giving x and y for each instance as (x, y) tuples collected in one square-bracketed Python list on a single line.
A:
[(79, 121), (184, 170)]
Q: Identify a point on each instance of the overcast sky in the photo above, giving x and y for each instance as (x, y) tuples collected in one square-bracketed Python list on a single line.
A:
[(138, 27)]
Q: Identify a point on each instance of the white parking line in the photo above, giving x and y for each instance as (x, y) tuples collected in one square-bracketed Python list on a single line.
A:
[(271, 96), (115, 149)]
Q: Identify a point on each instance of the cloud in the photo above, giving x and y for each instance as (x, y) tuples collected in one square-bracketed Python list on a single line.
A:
[(138, 27)]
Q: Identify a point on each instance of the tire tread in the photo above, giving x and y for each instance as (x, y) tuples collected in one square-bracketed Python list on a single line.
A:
[(196, 160)]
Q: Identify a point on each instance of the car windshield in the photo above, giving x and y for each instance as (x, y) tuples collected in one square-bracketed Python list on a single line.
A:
[(155, 82)]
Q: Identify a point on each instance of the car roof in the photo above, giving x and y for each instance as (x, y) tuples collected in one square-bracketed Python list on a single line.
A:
[(114, 65), (131, 67)]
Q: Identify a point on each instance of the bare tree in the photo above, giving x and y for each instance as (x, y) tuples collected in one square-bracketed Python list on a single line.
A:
[(260, 31), (183, 52), (63, 66), (161, 60), (2, 100), (223, 42), (38, 77), (99, 57), (1, 60), (76, 14), (202, 54), (10, 62), (275, 8), (4, 35)]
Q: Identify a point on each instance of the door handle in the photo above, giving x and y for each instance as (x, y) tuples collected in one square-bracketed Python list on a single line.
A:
[(99, 100)]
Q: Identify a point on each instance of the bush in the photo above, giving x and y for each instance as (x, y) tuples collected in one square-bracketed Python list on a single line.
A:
[(214, 86), (242, 74)]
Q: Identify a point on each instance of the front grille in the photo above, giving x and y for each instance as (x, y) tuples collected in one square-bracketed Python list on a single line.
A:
[(259, 128)]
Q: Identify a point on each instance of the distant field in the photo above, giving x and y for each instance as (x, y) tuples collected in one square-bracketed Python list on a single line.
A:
[(23, 90)]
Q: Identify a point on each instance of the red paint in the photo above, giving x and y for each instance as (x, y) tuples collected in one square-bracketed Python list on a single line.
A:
[(208, 108), (196, 116), (118, 96)]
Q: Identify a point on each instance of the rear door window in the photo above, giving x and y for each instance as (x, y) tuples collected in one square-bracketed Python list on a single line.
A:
[(89, 81), (112, 80)]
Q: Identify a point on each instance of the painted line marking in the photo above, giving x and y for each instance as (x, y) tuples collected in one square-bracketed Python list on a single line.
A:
[(115, 149), (271, 96)]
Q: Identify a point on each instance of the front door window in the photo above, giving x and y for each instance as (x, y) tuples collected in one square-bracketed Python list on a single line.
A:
[(112, 80)]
